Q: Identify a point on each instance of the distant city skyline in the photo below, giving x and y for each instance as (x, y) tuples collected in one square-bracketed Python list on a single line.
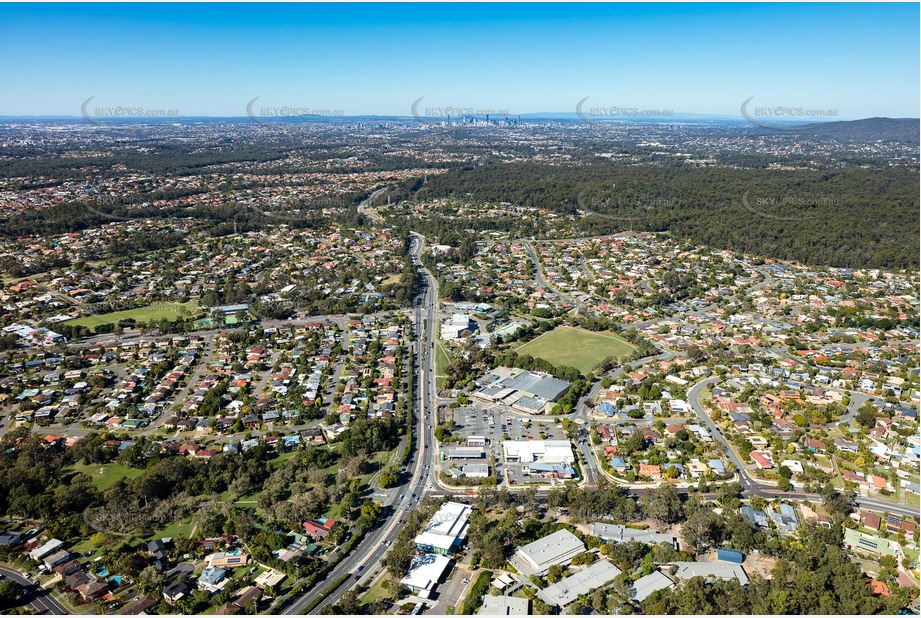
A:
[(810, 62)]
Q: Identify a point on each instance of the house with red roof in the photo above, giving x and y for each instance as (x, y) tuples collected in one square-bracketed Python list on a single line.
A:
[(319, 528), (762, 460)]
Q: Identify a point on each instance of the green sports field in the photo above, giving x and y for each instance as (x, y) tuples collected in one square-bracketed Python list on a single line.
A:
[(576, 347), (158, 311)]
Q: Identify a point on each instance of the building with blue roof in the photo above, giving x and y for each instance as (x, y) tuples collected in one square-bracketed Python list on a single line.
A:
[(757, 518), (730, 555)]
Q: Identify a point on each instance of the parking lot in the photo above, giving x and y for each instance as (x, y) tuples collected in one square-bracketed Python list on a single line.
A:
[(496, 424)]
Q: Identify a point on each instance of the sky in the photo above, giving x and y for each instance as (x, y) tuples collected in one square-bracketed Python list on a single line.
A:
[(856, 60)]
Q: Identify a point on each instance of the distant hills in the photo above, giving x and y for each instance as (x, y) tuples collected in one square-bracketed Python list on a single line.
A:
[(902, 130)]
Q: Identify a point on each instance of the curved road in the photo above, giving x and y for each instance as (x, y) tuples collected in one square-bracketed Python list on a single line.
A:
[(752, 487), (38, 597)]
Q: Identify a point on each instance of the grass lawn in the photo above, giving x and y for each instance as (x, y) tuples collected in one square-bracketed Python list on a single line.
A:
[(83, 546), (106, 475), (279, 461), (441, 359), (157, 311), (576, 347), (175, 530), (376, 592)]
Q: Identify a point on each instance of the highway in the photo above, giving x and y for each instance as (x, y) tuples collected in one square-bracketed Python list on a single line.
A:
[(366, 204), (364, 559), (39, 598)]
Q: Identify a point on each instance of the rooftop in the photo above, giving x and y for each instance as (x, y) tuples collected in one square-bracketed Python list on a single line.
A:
[(504, 606), (446, 528), (570, 588), (646, 585), (424, 573), (535, 558), (717, 570)]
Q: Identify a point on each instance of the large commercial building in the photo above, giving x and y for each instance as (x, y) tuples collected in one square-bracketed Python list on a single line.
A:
[(445, 532), (464, 452), (537, 557), (526, 391), (534, 451), (568, 589)]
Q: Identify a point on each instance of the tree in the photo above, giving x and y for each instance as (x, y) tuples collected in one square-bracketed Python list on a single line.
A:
[(348, 604), (400, 557), (728, 495), (662, 503), (151, 578), (699, 530), (9, 590), (866, 416), (555, 573)]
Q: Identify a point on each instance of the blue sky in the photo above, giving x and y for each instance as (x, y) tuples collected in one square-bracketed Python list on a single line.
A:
[(212, 59)]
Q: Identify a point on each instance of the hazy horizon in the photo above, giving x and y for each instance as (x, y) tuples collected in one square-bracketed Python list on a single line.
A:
[(849, 61)]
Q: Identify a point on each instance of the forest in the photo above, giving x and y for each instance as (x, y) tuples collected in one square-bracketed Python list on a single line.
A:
[(847, 217)]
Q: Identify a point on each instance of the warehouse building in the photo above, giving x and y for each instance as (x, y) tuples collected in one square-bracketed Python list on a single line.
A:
[(526, 391), (464, 452), (537, 557), (425, 572)]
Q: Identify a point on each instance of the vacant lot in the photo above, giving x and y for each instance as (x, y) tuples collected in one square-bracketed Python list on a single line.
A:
[(576, 347), (158, 311)]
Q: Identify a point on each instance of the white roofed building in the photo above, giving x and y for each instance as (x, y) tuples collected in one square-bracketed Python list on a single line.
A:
[(543, 451), (424, 573), (445, 532), (568, 589), (537, 557)]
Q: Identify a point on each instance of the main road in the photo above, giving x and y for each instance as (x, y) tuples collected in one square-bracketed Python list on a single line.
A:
[(39, 598), (367, 555)]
